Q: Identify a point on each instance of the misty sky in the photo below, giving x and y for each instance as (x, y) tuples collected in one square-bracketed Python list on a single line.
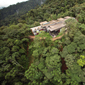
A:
[(5, 3)]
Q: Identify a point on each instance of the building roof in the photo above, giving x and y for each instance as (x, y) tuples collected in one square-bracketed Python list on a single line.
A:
[(56, 24), (67, 17), (50, 23), (57, 27), (53, 25), (35, 28), (60, 19), (42, 23), (53, 21)]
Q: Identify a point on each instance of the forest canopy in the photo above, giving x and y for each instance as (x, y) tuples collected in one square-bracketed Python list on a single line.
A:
[(42, 61)]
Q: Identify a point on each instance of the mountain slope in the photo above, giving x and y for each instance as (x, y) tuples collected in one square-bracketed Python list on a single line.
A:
[(44, 62), (50, 10), (14, 11)]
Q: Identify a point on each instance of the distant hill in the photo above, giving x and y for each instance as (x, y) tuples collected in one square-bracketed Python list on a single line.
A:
[(1, 8), (13, 12)]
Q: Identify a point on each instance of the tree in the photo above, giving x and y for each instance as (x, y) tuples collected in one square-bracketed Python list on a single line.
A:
[(46, 67)]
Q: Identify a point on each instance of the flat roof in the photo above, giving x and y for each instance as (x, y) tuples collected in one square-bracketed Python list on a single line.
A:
[(57, 24), (60, 19), (52, 25), (35, 27), (67, 17), (41, 23), (56, 27)]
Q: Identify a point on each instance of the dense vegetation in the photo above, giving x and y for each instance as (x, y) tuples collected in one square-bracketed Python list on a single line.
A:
[(13, 12), (47, 68), (43, 61), (53, 9)]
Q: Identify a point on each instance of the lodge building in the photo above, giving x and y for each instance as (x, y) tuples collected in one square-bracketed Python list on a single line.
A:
[(53, 27)]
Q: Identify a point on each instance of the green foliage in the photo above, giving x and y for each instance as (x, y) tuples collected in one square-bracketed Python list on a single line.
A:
[(18, 83), (24, 40), (53, 17), (17, 42), (15, 48), (80, 18), (11, 14), (46, 63), (82, 28), (32, 73), (23, 60), (13, 57), (36, 23), (72, 47), (21, 51), (46, 16), (44, 34), (42, 61), (71, 53), (11, 73), (81, 61)]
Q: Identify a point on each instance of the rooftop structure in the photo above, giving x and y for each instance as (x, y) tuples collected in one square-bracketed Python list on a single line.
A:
[(67, 17), (56, 27), (35, 30), (60, 19), (53, 27), (42, 23)]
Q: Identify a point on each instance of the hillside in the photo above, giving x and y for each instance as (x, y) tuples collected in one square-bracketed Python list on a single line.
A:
[(51, 10), (42, 61), (13, 12)]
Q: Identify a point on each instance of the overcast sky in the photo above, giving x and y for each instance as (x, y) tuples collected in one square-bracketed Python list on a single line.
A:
[(5, 3)]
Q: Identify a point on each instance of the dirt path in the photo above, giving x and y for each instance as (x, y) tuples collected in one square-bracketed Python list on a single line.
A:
[(56, 38), (31, 61), (53, 39), (31, 37)]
